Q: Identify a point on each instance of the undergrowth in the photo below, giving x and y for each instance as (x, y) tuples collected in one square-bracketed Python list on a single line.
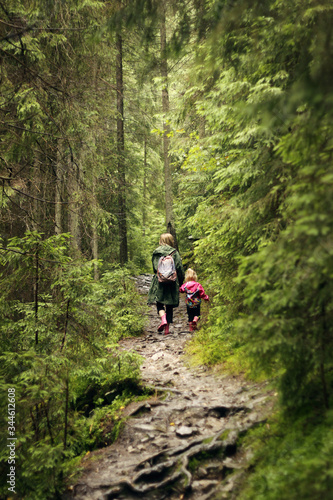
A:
[(215, 344), (292, 460), (60, 360)]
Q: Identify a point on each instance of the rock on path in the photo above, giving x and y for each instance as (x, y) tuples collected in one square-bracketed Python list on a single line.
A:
[(181, 443)]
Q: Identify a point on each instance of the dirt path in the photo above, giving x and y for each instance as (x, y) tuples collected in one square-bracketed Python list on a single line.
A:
[(182, 443)]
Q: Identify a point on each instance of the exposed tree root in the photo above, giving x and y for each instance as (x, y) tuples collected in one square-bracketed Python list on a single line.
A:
[(158, 388), (171, 466)]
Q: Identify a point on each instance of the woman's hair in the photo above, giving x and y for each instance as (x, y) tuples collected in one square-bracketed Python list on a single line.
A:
[(191, 275), (167, 239)]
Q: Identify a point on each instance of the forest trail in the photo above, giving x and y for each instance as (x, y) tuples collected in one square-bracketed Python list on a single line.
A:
[(181, 443)]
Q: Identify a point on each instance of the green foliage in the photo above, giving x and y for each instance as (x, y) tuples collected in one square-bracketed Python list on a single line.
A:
[(59, 333), (214, 343), (101, 427), (255, 189), (251, 148), (254, 176), (291, 460)]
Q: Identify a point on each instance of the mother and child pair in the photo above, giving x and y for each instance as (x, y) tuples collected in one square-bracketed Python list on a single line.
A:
[(169, 279)]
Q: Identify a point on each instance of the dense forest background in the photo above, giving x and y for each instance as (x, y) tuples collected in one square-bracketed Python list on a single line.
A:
[(119, 119)]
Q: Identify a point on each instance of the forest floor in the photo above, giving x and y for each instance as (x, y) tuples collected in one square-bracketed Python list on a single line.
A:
[(182, 443)]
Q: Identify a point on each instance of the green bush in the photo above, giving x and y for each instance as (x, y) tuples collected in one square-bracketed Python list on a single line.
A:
[(59, 334), (292, 460)]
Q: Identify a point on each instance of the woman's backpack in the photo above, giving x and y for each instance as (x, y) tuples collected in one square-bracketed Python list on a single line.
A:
[(166, 269)]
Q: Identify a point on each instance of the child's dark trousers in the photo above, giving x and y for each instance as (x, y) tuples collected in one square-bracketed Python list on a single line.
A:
[(192, 312)]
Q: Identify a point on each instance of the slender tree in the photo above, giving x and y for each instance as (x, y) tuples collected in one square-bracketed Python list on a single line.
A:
[(123, 252), (166, 128)]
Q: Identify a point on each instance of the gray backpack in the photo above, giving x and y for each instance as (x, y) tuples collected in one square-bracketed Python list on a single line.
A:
[(166, 269)]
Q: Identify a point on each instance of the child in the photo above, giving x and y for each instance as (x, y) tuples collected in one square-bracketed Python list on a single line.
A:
[(194, 294)]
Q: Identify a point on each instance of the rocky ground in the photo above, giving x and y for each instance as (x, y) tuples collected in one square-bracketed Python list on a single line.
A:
[(183, 442)]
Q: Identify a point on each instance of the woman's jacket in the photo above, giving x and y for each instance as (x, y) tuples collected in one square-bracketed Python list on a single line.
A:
[(166, 293)]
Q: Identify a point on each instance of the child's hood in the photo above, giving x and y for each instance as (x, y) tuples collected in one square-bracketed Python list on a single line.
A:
[(191, 285)]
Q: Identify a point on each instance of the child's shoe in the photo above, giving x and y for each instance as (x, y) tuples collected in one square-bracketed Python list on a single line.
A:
[(166, 329), (194, 323), (163, 323), (195, 320), (190, 326)]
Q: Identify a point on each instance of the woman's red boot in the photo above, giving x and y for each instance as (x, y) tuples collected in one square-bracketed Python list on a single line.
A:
[(166, 329), (163, 323)]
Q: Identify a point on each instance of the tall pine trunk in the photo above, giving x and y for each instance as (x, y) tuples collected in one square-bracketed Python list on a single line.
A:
[(58, 195), (34, 215), (166, 129), (123, 252), (73, 207), (94, 238), (144, 194)]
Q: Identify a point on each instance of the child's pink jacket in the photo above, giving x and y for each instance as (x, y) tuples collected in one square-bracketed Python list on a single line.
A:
[(192, 286)]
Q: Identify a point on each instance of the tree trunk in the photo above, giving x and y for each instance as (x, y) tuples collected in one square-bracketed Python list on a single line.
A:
[(73, 207), (202, 127), (36, 291), (166, 128), (94, 248), (94, 239), (144, 194), (34, 215), (123, 252), (58, 196), (66, 410), (37, 193)]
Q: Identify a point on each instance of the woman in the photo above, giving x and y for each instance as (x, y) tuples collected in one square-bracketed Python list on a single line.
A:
[(166, 295)]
